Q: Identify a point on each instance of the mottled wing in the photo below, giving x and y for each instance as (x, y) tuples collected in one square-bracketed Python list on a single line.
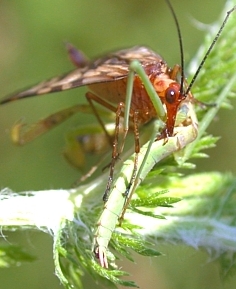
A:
[(113, 67), (75, 78)]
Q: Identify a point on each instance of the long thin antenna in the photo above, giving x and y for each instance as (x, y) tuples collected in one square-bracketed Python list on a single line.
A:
[(209, 49), (180, 45)]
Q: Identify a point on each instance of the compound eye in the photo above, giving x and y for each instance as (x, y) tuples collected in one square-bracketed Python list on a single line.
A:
[(171, 95)]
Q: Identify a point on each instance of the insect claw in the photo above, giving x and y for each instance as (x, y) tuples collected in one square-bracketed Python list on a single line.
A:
[(163, 135), (100, 253)]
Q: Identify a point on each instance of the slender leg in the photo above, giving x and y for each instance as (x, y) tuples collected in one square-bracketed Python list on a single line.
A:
[(22, 134), (115, 151)]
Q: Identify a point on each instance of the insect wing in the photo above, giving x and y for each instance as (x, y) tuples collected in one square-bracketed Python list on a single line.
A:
[(76, 78), (113, 67)]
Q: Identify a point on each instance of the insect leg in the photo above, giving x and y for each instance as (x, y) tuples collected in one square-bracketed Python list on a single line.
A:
[(22, 134), (137, 150), (136, 67), (92, 97), (115, 151), (114, 142), (175, 71)]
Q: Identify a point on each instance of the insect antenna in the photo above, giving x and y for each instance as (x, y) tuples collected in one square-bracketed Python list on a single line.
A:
[(180, 45), (209, 49)]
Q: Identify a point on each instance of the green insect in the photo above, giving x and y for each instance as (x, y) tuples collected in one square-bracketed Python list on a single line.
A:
[(151, 153)]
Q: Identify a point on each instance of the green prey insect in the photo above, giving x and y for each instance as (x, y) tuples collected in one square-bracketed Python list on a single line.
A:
[(150, 154)]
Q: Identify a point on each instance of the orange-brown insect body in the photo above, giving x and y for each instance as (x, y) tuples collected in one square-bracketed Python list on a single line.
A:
[(158, 73), (107, 79)]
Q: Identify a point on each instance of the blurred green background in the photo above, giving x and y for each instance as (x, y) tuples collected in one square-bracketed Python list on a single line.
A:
[(32, 36)]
